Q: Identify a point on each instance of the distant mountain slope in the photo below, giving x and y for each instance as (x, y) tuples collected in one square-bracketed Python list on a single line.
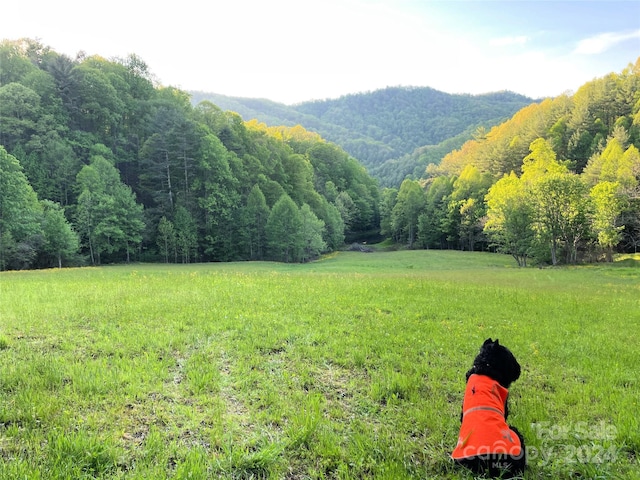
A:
[(383, 125)]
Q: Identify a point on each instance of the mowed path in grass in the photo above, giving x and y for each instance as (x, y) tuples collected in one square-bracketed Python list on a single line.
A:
[(349, 367)]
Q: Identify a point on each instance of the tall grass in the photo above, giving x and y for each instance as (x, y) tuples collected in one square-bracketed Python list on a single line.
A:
[(349, 367)]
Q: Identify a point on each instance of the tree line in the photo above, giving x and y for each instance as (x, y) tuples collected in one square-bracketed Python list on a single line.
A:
[(99, 163), (557, 183)]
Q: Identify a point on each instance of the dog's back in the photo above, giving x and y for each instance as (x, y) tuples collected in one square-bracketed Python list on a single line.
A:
[(484, 429), (486, 443)]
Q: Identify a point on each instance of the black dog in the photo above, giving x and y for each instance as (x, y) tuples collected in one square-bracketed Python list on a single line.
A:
[(487, 444)]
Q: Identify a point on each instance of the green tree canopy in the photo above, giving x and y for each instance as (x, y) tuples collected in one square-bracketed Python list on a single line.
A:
[(61, 242), (311, 234), (20, 216), (510, 218), (404, 216), (283, 230), (608, 204), (108, 216)]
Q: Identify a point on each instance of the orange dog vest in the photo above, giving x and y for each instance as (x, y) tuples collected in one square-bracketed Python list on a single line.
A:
[(484, 430)]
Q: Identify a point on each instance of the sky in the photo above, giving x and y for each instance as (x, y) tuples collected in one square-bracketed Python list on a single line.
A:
[(292, 51)]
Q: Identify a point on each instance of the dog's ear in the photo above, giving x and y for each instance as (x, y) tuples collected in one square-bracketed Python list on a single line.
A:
[(487, 342), (496, 343)]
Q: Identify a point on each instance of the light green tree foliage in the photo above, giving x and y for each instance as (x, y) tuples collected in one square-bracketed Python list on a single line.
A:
[(18, 115), (130, 218), (347, 208), (604, 166), (547, 199), (61, 242), (608, 204), (562, 212), (186, 231), (334, 226), (283, 231), (166, 238), (629, 180), (329, 163), (14, 64), (541, 161), (629, 172), (311, 233), (404, 216), (20, 216), (615, 165), (299, 177), (621, 167), (510, 218), (108, 217), (466, 205)]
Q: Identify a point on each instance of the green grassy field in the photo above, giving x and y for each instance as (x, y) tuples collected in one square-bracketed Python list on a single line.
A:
[(349, 367)]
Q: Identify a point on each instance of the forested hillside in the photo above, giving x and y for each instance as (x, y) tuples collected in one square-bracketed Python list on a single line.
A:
[(558, 182), (98, 164), (387, 130)]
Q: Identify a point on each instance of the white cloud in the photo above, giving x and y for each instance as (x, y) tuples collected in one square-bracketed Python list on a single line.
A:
[(508, 41), (603, 42)]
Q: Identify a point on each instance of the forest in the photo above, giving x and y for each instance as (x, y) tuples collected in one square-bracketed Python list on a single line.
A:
[(556, 183), (99, 164)]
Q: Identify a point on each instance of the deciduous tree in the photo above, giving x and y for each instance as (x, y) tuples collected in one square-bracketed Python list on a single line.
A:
[(562, 211), (166, 239), (404, 216), (61, 242), (608, 204), (20, 216), (283, 230), (108, 217), (510, 218), (186, 231), (311, 233)]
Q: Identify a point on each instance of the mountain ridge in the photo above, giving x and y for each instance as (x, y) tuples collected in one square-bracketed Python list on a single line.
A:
[(382, 126)]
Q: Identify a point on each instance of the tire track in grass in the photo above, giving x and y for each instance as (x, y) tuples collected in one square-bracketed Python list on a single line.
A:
[(169, 410), (335, 384), (236, 412), (197, 404)]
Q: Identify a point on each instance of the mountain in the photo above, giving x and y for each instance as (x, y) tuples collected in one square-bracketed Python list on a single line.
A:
[(559, 182), (387, 130)]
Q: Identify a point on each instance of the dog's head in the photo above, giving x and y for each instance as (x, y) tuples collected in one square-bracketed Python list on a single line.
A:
[(496, 361)]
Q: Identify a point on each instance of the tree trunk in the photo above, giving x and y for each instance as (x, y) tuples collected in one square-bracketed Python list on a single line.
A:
[(93, 258)]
